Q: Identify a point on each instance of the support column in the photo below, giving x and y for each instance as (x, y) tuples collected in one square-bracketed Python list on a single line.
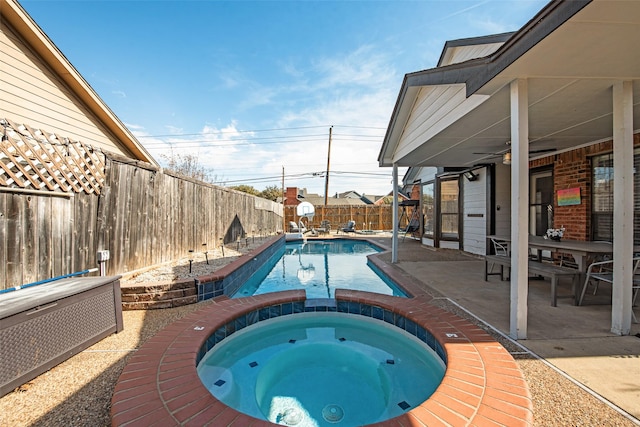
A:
[(394, 216), (519, 208), (622, 207)]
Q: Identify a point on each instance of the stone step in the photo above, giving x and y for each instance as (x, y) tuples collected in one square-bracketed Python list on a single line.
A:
[(155, 295)]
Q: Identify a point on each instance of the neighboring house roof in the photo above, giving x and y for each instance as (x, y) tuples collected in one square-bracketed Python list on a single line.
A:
[(45, 70), (570, 54), (368, 200), (388, 199), (348, 194), (318, 200)]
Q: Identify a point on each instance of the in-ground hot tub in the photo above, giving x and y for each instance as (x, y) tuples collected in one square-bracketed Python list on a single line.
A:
[(44, 325), (317, 369)]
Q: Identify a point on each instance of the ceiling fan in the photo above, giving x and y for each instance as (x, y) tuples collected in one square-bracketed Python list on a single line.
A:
[(506, 154)]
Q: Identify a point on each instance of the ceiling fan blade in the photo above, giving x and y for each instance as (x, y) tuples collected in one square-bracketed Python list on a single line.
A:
[(543, 150)]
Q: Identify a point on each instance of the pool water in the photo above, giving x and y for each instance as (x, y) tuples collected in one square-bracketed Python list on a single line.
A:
[(320, 267), (320, 370)]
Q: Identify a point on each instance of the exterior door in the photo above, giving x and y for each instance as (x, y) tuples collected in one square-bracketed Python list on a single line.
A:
[(541, 202), (541, 206), (449, 205)]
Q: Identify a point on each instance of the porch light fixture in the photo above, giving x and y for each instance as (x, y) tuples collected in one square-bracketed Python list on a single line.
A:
[(506, 158), (470, 176)]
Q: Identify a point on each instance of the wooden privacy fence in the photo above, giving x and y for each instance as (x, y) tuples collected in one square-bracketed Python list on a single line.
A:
[(144, 216), (367, 217)]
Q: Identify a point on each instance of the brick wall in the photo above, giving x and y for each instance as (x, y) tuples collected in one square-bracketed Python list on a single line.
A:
[(570, 170)]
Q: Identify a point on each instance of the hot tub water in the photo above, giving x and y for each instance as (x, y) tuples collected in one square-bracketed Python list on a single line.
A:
[(320, 370)]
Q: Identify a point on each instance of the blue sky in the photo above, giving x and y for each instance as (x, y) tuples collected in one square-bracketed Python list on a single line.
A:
[(252, 87)]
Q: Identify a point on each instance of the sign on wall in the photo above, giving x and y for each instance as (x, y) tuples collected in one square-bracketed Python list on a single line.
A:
[(569, 197)]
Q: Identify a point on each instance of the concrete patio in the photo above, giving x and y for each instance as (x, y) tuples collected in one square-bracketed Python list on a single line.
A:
[(575, 340)]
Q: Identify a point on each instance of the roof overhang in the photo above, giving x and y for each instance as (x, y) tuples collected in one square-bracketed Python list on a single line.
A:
[(25, 26), (571, 53)]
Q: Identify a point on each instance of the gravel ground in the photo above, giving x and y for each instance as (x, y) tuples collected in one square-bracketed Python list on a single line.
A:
[(78, 391)]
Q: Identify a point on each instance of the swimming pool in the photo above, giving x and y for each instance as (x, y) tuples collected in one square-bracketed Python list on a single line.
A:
[(320, 267), (322, 369)]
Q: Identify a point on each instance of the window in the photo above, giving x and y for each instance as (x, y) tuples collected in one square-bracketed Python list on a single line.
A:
[(428, 208), (602, 197), (449, 208)]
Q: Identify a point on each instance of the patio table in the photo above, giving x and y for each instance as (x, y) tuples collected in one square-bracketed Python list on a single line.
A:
[(580, 250)]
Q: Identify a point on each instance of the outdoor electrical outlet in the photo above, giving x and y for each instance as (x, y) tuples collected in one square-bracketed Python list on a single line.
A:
[(103, 256)]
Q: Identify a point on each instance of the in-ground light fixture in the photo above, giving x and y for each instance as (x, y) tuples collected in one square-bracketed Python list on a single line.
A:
[(191, 260), (206, 256)]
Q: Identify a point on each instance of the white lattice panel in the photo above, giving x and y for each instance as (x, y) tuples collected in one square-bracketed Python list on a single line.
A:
[(36, 160)]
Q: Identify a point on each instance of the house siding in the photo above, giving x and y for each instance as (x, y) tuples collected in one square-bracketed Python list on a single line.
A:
[(429, 113), (31, 93)]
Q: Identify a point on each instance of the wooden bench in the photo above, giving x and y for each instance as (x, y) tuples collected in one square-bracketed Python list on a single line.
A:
[(551, 271)]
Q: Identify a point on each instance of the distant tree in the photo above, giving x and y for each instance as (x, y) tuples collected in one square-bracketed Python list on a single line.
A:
[(387, 200), (188, 165), (271, 192), (246, 189)]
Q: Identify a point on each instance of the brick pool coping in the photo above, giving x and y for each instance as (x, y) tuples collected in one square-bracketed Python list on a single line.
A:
[(482, 385)]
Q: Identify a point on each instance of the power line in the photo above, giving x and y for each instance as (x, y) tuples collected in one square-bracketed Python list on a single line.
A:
[(241, 142), (233, 131), (306, 175), (241, 139), (269, 178), (257, 130)]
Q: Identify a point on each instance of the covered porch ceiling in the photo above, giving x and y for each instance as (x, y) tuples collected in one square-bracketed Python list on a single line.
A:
[(571, 54)]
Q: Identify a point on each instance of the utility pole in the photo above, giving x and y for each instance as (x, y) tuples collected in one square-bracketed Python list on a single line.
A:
[(326, 178), (284, 216)]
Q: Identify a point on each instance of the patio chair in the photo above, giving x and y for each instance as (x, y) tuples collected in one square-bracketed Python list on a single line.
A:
[(412, 228), (501, 248), (325, 227), (602, 271), (350, 227), (297, 228), (293, 227)]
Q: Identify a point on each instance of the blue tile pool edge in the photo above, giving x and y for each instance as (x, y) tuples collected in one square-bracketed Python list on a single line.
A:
[(321, 305), (242, 269)]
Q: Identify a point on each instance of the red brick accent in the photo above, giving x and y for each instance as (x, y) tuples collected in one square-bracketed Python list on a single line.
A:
[(167, 294), (291, 196)]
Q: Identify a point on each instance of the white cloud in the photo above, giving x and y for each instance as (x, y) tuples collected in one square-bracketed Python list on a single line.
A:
[(355, 89)]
